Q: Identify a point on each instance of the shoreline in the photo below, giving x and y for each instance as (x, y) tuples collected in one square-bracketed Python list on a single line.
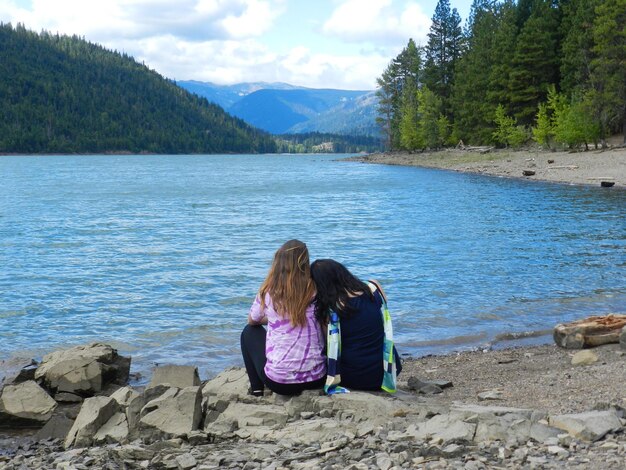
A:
[(521, 407), (588, 168)]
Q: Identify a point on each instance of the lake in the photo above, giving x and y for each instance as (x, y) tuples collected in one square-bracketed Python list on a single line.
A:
[(161, 256)]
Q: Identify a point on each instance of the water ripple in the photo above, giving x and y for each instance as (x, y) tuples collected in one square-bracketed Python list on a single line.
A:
[(162, 255)]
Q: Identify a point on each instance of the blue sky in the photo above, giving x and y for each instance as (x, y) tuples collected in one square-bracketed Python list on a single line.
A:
[(317, 43)]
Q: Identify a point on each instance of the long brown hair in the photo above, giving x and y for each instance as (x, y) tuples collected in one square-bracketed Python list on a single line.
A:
[(289, 282)]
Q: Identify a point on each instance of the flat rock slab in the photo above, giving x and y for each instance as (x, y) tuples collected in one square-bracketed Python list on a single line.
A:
[(26, 403), (590, 426), (584, 358), (176, 412), (93, 414), (232, 383), (16, 370), (176, 376)]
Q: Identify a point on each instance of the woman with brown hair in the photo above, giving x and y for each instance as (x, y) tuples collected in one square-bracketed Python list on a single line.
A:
[(288, 357)]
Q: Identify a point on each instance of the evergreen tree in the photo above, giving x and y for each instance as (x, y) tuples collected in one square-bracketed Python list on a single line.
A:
[(577, 45), (535, 61), (444, 48), (608, 69), (403, 72), (430, 108)]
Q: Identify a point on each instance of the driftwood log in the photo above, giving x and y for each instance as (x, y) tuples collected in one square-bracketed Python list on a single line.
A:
[(589, 332)]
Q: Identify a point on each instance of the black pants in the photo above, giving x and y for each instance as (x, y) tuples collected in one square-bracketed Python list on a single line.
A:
[(253, 351)]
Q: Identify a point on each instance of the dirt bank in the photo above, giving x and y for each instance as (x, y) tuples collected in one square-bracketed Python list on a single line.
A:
[(580, 168)]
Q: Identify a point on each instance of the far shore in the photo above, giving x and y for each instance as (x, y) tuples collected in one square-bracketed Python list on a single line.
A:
[(590, 168)]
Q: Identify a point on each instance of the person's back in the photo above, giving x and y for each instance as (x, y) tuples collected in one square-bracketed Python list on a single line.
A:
[(360, 359), (362, 335)]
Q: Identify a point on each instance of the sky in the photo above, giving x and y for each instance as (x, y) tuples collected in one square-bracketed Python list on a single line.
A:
[(341, 44)]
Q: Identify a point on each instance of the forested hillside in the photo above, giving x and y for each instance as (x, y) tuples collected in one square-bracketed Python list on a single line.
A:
[(61, 94), (548, 71)]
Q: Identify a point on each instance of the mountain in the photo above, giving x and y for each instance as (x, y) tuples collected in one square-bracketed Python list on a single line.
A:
[(61, 94), (281, 108), (227, 95)]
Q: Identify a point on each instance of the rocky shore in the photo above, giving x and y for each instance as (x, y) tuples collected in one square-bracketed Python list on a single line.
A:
[(589, 168), (531, 407)]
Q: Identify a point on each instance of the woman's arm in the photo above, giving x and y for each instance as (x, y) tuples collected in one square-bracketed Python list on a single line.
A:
[(256, 315)]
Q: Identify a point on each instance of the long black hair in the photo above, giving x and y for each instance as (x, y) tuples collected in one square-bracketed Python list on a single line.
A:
[(335, 287)]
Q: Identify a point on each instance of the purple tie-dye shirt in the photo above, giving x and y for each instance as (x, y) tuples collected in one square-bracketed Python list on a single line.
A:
[(294, 353)]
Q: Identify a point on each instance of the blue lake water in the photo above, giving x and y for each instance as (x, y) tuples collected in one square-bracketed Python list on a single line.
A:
[(162, 255)]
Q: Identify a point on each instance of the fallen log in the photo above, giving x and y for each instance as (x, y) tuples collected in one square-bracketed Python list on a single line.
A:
[(563, 167), (589, 332)]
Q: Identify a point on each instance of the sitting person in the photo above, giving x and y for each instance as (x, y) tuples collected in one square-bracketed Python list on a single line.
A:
[(357, 315), (288, 357)]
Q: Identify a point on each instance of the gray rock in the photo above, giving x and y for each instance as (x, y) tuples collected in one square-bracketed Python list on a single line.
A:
[(233, 383), (252, 415), (94, 413), (490, 395), (177, 412), (56, 428), (16, 370), (186, 461), (115, 430), (66, 397), (83, 370), (26, 403), (446, 428), (622, 338), (590, 426), (584, 358), (176, 376), (124, 396), (424, 387)]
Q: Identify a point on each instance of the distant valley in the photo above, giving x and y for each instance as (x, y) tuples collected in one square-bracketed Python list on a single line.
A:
[(281, 108)]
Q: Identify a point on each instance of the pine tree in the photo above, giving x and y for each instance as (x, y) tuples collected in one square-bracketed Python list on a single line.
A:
[(444, 48), (535, 61), (577, 45), (430, 110), (608, 69)]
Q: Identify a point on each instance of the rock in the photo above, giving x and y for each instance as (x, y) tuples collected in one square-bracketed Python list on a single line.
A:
[(94, 413), (590, 426), (424, 387), (83, 370), (622, 338), (588, 332), (66, 397), (584, 358), (16, 370), (186, 461), (252, 415), (232, 383), (446, 428), (124, 395), (490, 395), (176, 412), (115, 430), (26, 403), (56, 428), (136, 404), (383, 462), (528, 172), (176, 376)]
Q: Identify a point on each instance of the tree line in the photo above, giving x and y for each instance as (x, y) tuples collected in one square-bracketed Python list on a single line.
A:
[(548, 71), (317, 142), (62, 94)]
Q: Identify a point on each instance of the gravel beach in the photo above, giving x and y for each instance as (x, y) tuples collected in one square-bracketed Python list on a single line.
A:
[(579, 168)]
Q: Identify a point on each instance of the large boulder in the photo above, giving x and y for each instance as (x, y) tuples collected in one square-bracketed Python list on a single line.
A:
[(176, 376), (115, 430), (175, 413), (83, 370), (94, 413), (16, 370), (590, 426), (26, 403)]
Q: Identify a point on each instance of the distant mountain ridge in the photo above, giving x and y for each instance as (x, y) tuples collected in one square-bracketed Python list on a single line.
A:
[(281, 108)]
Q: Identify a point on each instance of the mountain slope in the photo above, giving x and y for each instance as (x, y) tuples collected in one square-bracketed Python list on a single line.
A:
[(63, 94), (282, 108)]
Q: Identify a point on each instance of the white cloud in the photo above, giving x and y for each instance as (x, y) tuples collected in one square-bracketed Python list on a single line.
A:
[(378, 21), (220, 40)]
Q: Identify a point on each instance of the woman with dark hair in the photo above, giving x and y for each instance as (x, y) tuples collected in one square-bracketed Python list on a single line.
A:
[(359, 320), (288, 357)]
